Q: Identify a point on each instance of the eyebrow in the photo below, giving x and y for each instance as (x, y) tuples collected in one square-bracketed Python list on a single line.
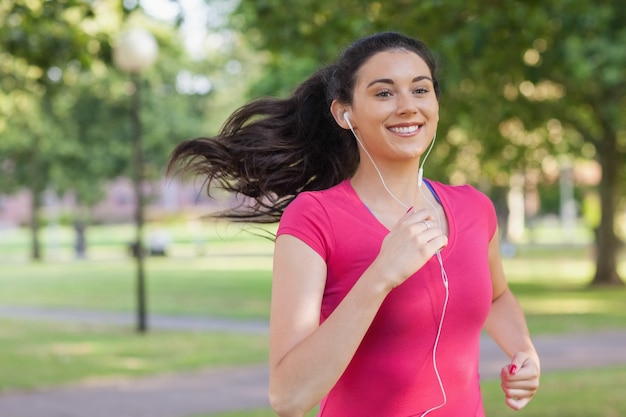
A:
[(390, 81)]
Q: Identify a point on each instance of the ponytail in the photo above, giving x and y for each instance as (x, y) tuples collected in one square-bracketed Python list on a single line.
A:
[(271, 149)]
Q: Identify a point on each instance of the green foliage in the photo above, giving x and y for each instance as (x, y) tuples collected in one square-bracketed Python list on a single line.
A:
[(46, 34), (486, 51), (69, 111), (44, 47), (65, 110), (522, 81)]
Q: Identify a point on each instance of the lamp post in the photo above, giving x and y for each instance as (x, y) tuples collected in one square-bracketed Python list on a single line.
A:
[(135, 51)]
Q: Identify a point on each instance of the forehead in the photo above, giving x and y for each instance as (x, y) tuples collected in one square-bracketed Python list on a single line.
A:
[(394, 64)]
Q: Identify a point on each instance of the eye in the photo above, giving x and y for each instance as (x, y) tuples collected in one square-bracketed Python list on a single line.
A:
[(421, 90), (383, 93)]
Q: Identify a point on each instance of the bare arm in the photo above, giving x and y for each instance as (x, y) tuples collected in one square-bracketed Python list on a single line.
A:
[(306, 358), (507, 325)]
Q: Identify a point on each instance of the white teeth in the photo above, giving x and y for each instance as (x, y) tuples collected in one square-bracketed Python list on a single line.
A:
[(409, 129)]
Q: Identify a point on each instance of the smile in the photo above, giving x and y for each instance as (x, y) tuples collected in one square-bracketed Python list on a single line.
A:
[(405, 129)]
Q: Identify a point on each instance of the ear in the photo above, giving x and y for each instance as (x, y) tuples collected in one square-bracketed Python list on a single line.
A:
[(338, 110)]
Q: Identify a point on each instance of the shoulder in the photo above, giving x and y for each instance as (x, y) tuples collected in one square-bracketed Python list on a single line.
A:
[(461, 194), (312, 216), (322, 200), (470, 202)]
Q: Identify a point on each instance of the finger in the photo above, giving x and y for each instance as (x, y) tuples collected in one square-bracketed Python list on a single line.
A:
[(508, 372), (517, 403), (519, 388), (413, 217), (435, 241), (518, 392), (527, 372), (426, 224), (515, 387), (519, 396), (421, 217), (524, 380), (518, 361)]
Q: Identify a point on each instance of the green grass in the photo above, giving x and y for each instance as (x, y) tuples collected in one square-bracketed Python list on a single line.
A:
[(554, 291), (588, 393), (591, 393), (217, 269), (237, 287), (36, 355), (230, 277)]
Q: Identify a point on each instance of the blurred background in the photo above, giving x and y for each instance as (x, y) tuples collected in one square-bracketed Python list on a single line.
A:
[(532, 106), (98, 248)]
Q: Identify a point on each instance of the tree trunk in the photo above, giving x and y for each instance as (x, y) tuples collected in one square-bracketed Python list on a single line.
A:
[(607, 243), (35, 205)]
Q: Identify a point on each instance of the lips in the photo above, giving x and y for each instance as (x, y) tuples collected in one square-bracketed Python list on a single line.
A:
[(405, 130)]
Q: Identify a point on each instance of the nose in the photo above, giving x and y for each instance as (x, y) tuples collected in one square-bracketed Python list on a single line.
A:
[(406, 104)]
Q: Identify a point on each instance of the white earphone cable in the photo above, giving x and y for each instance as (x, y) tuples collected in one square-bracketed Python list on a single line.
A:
[(444, 275), (380, 175), (444, 278)]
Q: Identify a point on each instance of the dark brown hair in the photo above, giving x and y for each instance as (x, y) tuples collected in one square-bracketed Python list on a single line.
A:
[(271, 149)]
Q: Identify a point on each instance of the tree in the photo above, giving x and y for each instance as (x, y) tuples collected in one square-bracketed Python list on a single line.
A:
[(522, 80), (585, 56), (561, 70), (64, 108), (44, 46)]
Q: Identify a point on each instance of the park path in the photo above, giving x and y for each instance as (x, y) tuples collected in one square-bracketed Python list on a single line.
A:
[(241, 388)]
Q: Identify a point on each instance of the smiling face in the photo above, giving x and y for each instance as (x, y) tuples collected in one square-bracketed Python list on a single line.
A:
[(394, 108)]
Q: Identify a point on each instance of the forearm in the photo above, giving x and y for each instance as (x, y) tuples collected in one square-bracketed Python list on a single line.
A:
[(507, 326), (308, 371)]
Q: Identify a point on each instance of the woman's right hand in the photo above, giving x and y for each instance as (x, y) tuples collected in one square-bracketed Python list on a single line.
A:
[(413, 240)]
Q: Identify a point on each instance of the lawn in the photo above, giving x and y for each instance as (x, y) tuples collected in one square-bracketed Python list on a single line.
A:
[(235, 281), (36, 355), (592, 393), (225, 274), (228, 274), (226, 285)]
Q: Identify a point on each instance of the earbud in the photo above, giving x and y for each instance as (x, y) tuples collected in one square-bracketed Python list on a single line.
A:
[(346, 117), (420, 173)]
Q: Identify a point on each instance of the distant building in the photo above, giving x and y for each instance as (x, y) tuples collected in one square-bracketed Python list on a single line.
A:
[(162, 198)]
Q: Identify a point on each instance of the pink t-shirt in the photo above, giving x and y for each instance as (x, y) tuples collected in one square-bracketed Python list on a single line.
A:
[(391, 373)]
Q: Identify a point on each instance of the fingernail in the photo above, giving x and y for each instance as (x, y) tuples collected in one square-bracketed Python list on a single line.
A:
[(409, 210), (512, 369)]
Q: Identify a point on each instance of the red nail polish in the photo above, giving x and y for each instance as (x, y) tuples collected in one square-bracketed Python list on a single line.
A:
[(512, 369)]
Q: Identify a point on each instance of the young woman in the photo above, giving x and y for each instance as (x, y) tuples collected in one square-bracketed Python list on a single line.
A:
[(382, 279)]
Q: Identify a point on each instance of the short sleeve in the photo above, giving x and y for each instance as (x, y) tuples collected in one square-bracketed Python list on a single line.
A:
[(488, 208), (306, 219), (492, 218)]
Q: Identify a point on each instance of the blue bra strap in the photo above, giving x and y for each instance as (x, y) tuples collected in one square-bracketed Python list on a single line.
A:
[(432, 190)]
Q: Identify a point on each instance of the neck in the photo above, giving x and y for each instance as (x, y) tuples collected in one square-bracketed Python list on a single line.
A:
[(388, 187)]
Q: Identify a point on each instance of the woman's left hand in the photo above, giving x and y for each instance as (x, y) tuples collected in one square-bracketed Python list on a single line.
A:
[(520, 380)]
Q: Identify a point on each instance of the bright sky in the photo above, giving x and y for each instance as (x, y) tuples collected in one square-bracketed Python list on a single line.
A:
[(199, 17)]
